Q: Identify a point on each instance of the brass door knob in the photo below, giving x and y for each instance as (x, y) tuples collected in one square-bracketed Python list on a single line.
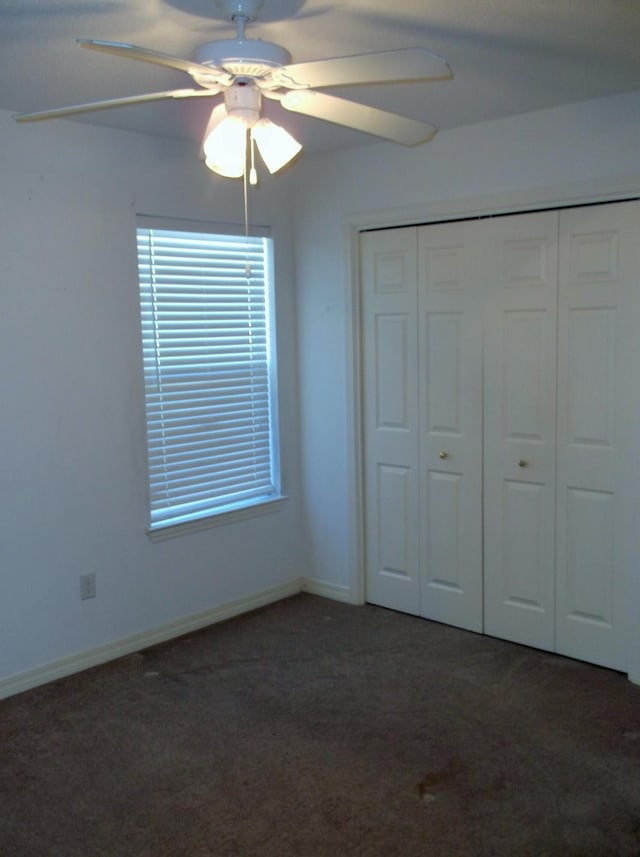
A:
[(523, 462), (444, 454)]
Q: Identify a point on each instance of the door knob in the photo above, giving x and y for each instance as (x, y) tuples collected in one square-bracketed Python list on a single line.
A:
[(523, 462), (444, 454)]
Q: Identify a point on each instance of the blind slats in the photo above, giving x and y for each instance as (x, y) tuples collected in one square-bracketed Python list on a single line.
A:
[(205, 329)]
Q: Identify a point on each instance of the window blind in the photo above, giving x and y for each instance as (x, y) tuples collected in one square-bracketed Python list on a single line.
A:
[(207, 369)]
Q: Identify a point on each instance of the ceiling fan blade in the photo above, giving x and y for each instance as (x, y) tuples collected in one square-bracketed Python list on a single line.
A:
[(385, 67), (60, 112), (62, 7), (380, 123), (134, 52)]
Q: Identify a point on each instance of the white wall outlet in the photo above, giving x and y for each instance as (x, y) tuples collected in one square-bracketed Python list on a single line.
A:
[(88, 585)]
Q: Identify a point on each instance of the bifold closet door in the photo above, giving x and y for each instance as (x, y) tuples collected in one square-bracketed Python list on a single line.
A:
[(520, 429), (450, 296), (598, 437), (389, 307), (501, 405), (422, 420)]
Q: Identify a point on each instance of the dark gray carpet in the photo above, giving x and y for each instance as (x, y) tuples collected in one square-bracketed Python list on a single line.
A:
[(316, 728)]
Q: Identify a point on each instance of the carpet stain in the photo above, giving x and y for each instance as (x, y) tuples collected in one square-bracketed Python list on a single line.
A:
[(432, 783)]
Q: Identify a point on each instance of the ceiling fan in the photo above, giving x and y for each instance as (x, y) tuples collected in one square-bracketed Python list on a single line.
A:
[(245, 70)]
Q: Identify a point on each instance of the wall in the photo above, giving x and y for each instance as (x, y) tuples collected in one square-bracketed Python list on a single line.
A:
[(72, 461), (571, 153), (72, 470)]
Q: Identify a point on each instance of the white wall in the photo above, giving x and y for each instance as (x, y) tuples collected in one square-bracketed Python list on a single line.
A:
[(72, 455), (72, 470), (546, 157)]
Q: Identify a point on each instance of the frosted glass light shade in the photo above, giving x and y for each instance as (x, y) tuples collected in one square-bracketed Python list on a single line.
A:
[(276, 146), (225, 143)]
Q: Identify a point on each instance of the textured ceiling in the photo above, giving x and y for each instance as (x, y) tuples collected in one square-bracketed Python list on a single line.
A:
[(508, 56)]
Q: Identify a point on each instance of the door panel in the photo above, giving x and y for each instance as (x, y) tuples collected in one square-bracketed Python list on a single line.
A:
[(444, 331), (519, 429), (391, 373), (390, 417), (393, 491), (590, 376), (443, 567), (450, 394), (590, 557), (523, 581), (598, 409), (523, 375)]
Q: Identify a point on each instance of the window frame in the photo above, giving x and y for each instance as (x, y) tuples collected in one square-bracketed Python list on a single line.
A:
[(253, 506)]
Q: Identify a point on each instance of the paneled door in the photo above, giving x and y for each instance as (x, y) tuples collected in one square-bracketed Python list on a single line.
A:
[(450, 297), (422, 392), (390, 417), (520, 429), (501, 406), (598, 420)]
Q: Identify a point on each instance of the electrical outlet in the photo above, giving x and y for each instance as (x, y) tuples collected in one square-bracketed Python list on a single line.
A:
[(88, 585)]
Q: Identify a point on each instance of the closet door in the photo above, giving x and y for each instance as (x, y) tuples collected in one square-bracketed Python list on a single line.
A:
[(390, 417), (598, 418), (451, 286), (520, 428)]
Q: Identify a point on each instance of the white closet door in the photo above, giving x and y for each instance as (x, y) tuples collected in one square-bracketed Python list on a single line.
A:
[(520, 427), (451, 287), (390, 363), (598, 418)]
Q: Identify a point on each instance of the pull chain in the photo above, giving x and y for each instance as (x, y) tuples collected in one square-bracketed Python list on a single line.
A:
[(245, 186), (253, 175)]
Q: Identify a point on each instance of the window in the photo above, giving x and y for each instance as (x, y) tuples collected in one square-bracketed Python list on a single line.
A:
[(206, 302)]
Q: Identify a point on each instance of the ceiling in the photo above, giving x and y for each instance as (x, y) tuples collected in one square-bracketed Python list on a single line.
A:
[(508, 56)]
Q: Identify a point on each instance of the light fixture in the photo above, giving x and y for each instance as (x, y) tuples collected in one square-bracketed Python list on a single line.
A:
[(276, 146), (225, 140), (225, 143)]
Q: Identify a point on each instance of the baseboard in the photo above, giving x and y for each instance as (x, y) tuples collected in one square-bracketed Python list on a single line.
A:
[(327, 590), (136, 642)]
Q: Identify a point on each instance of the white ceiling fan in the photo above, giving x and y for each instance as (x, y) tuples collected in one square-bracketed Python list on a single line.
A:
[(244, 70)]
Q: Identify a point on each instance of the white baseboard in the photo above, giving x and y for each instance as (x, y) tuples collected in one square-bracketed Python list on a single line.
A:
[(136, 642), (327, 590)]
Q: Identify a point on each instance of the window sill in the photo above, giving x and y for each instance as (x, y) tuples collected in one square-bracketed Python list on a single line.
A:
[(170, 531)]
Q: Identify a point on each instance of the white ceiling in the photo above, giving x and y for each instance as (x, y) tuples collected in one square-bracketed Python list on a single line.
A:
[(508, 56)]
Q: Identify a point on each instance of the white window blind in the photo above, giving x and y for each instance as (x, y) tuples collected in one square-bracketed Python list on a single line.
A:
[(208, 372)]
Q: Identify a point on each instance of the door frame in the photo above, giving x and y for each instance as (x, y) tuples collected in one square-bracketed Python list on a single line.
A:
[(517, 202)]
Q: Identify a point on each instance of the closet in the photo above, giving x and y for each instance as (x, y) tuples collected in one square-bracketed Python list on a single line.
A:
[(501, 396)]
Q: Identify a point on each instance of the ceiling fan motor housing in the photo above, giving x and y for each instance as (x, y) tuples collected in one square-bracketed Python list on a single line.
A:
[(243, 57), (243, 100)]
